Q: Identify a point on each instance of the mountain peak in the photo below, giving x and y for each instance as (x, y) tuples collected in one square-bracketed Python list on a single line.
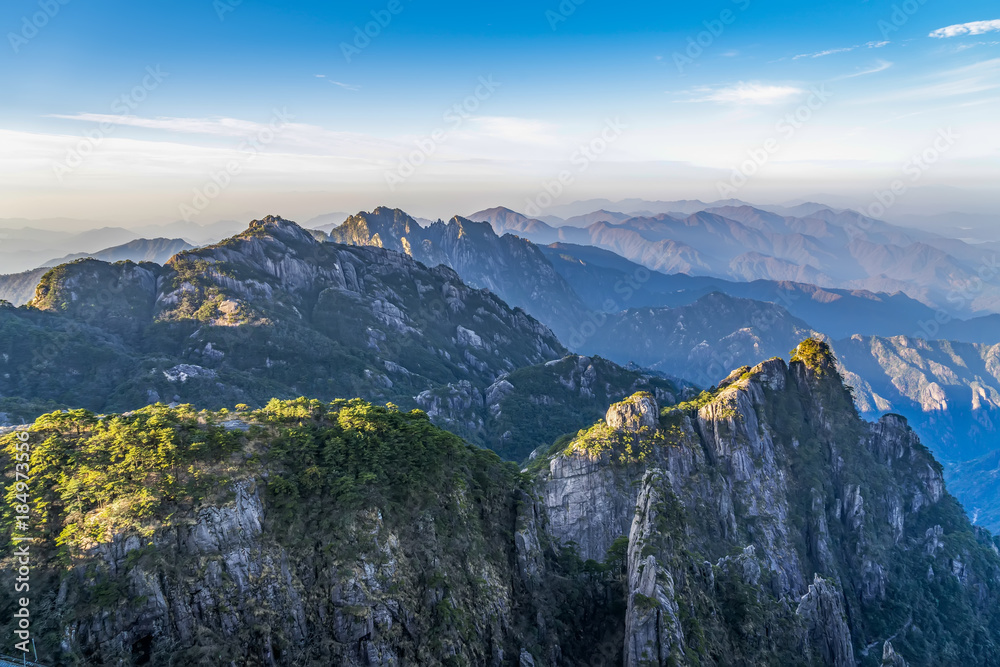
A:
[(279, 228), (275, 221)]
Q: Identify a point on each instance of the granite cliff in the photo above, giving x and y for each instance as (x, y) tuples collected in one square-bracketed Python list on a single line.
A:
[(762, 523)]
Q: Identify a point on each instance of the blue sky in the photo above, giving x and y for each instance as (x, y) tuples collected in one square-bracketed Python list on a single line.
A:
[(872, 86)]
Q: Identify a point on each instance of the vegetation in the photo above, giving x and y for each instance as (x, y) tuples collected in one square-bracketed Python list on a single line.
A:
[(815, 354), (332, 475), (547, 401), (623, 447)]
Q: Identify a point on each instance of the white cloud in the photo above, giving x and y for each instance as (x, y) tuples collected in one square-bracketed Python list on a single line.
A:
[(748, 93), (973, 28), (967, 46), (830, 52), (880, 67), (345, 86), (979, 77), (510, 128), (223, 127), (820, 54)]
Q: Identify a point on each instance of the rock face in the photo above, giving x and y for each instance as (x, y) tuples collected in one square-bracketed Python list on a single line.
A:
[(890, 658), (270, 312), (766, 521), (653, 631), (827, 633), (772, 498), (510, 267), (636, 413)]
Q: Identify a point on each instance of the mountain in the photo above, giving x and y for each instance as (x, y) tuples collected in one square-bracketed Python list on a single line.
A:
[(157, 250), (765, 521), (505, 221), (28, 248), (533, 406), (637, 206), (326, 221), (827, 248), (18, 288), (510, 267), (588, 219), (975, 483), (950, 391), (257, 316), (698, 342), (608, 282), (956, 224), (193, 232)]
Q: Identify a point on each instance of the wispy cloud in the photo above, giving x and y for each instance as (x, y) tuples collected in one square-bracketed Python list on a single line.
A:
[(820, 54), (223, 127), (751, 92), (966, 47), (966, 80), (882, 66), (294, 137), (510, 128), (973, 28), (345, 86), (830, 52)]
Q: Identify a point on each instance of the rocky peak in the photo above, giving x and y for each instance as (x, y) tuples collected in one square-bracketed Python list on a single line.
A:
[(278, 227), (512, 268), (734, 472), (817, 356), (636, 413), (828, 635), (383, 227), (463, 227), (890, 658)]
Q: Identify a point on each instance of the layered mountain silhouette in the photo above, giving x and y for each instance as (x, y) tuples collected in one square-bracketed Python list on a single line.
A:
[(391, 310), (819, 246), (19, 288)]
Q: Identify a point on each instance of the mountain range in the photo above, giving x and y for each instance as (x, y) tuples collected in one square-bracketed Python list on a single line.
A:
[(696, 327), (160, 335), (819, 246), (763, 521), (19, 288)]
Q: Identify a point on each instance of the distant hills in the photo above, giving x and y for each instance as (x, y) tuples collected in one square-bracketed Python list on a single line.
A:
[(18, 289), (807, 244), (157, 250)]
